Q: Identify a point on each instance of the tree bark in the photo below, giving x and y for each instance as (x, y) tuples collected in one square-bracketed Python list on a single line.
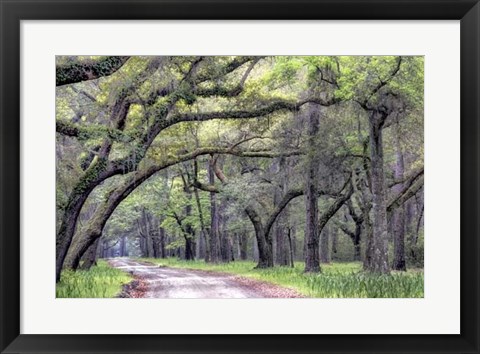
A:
[(163, 241), (90, 257), (334, 236), (96, 173), (312, 259), (282, 256), (291, 242), (324, 245), (379, 261), (189, 232), (265, 254), (148, 232), (243, 241), (399, 213), (356, 235), (225, 242), (88, 70), (214, 219), (204, 251)]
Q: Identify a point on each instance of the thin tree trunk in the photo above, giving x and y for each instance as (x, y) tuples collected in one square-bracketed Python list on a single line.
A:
[(225, 245), (148, 233), (190, 234), (312, 259), (162, 242), (324, 245), (334, 238), (203, 251), (290, 243), (399, 214), (123, 246), (243, 241), (280, 224), (214, 220)]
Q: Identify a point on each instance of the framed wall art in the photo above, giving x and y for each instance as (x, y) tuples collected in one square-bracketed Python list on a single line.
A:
[(238, 176)]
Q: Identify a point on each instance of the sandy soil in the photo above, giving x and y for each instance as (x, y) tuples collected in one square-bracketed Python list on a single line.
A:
[(152, 281)]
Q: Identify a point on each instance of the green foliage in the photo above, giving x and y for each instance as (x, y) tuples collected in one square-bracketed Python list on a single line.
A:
[(337, 280), (164, 94), (100, 281)]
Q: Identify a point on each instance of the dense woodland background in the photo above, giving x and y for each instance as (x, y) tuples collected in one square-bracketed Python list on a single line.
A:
[(272, 159)]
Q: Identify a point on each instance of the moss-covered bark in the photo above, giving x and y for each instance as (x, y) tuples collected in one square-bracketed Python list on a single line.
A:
[(88, 70), (92, 177)]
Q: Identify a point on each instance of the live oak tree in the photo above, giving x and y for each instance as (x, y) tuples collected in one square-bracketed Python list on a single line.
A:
[(159, 113)]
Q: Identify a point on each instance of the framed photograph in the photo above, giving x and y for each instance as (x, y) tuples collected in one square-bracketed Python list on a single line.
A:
[(238, 176)]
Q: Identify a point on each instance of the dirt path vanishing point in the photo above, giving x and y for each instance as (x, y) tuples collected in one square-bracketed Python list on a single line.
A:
[(164, 282)]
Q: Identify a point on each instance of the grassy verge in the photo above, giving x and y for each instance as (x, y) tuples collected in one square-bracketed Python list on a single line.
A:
[(100, 281), (337, 280)]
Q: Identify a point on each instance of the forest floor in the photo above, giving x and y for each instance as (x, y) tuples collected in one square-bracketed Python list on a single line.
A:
[(157, 281), (337, 279), (150, 277)]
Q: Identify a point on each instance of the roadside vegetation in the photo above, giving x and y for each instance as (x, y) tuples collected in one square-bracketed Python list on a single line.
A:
[(337, 280), (100, 281)]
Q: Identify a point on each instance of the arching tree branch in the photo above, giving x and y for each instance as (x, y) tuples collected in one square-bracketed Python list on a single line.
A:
[(88, 70)]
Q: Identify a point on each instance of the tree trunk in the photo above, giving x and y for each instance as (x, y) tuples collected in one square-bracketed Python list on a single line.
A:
[(90, 257), (243, 241), (95, 174), (265, 254), (292, 249), (334, 236), (190, 234), (399, 213), (189, 249), (123, 246), (280, 231), (324, 245), (214, 220), (312, 260), (357, 252), (293, 236), (201, 254), (148, 232), (141, 243), (379, 261), (282, 253), (225, 245), (203, 249), (255, 249), (70, 216), (101, 249), (163, 239)]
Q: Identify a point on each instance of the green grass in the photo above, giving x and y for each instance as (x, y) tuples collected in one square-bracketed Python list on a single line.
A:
[(100, 281), (337, 280)]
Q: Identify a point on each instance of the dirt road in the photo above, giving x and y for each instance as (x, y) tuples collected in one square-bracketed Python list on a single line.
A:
[(165, 282)]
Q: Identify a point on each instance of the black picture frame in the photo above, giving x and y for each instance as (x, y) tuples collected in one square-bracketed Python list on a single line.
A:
[(13, 11)]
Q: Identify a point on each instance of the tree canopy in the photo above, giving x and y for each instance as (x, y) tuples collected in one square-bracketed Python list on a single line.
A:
[(276, 159)]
